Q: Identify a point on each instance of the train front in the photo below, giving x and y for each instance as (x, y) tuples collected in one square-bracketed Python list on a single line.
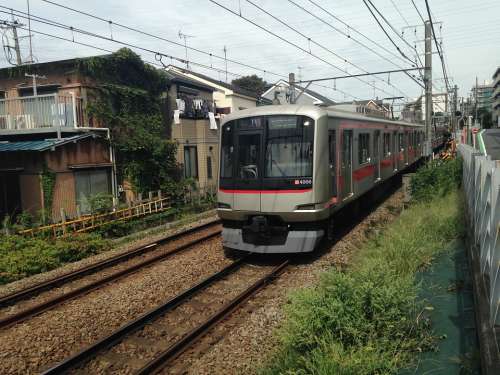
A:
[(267, 180)]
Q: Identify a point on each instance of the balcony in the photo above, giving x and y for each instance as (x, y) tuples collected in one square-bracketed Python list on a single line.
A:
[(41, 114)]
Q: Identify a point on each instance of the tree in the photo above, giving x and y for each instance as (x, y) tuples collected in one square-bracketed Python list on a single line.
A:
[(252, 83)]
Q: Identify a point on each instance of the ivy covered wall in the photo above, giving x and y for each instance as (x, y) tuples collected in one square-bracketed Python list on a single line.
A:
[(129, 102)]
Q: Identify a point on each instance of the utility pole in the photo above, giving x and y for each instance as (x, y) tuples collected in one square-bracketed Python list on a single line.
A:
[(291, 81), (16, 44), (475, 101), (428, 88), (7, 47), (454, 125)]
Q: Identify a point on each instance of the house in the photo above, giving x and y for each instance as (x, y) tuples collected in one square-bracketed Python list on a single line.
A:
[(44, 127), (415, 111), (371, 107), (279, 93), (228, 98), (193, 127)]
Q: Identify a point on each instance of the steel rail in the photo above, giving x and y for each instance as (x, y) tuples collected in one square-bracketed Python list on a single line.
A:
[(184, 343), (11, 298), (138, 323), (44, 306)]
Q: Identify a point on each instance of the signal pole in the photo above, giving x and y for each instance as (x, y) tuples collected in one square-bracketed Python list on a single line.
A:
[(428, 88)]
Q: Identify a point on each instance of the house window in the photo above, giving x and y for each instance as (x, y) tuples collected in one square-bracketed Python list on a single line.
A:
[(364, 148), (89, 183), (387, 144), (209, 167), (190, 162)]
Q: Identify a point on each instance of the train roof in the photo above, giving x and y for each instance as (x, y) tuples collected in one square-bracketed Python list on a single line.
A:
[(312, 111)]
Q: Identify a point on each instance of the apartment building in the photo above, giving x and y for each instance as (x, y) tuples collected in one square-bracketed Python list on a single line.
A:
[(44, 131), (495, 98)]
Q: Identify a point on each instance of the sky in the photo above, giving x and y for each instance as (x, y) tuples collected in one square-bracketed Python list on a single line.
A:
[(469, 32)]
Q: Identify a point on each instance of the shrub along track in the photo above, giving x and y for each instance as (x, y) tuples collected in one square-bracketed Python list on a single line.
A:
[(141, 256)]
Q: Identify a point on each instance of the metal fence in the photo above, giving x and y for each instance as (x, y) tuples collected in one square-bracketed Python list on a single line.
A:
[(42, 111), (481, 181)]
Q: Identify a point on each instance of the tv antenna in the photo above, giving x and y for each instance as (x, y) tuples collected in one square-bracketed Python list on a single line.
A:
[(185, 37)]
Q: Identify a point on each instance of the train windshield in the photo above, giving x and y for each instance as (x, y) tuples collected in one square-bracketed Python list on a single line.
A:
[(271, 150), (289, 147)]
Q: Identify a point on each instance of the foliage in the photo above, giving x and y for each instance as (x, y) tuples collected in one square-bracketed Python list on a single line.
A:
[(100, 203), (436, 179), (129, 103), (252, 83), (25, 220), (48, 183), (22, 256), (367, 320)]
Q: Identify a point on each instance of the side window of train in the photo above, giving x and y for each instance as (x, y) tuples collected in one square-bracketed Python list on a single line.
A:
[(332, 146), (387, 144), (401, 142), (364, 148)]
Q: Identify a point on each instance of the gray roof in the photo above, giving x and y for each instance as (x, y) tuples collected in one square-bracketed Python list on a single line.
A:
[(324, 99), (41, 145), (179, 78)]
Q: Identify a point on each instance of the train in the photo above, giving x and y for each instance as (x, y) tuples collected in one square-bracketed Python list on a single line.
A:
[(285, 170)]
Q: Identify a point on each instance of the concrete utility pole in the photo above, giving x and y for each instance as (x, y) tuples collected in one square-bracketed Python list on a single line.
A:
[(475, 101), (454, 125), (291, 81), (428, 88), (34, 77)]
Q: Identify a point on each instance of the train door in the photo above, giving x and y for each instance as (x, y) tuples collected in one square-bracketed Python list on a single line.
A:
[(346, 170), (401, 150), (332, 158), (395, 150), (248, 178), (407, 147), (376, 154)]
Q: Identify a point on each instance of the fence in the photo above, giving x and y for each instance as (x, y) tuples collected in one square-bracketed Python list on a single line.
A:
[(481, 180), (90, 222), (42, 111)]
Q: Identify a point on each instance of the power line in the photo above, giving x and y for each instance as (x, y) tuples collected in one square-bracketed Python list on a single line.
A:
[(401, 14), (310, 40), (354, 39), (416, 8), (172, 42), (359, 75), (161, 38)]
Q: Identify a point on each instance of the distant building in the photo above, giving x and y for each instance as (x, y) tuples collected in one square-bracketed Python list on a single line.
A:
[(228, 98), (484, 95), (495, 98), (279, 93), (415, 111), (372, 107), (48, 129)]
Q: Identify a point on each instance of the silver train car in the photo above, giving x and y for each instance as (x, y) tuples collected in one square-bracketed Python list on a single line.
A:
[(285, 170)]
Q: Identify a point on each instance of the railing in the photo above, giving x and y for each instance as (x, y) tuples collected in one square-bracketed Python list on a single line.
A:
[(42, 111), (481, 181)]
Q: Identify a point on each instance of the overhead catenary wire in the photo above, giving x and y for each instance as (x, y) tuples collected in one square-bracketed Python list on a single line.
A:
[(358, 42), (418, 11), (265, 71), (400, 14), (130, 45), (310, 40)]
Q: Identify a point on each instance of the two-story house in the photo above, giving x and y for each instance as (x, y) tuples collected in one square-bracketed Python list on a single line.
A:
[(52, 156)]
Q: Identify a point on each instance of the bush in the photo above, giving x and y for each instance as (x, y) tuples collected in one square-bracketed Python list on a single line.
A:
[(21, 256), (366, 320), (436, 179)]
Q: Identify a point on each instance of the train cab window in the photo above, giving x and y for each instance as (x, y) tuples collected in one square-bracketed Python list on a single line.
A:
[(387, 144), (248, 160), (227, 151), (364, 148)]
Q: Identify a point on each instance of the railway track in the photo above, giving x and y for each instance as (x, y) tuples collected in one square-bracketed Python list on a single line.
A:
[(57, 300), (156, 338)]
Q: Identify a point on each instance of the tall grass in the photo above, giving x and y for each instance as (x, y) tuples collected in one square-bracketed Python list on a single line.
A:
[(367, 319)]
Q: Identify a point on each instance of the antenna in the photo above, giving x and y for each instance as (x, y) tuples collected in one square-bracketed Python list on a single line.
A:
[(185, 37)]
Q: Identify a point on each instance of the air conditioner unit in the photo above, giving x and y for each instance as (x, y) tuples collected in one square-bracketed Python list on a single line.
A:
[(24, 122)]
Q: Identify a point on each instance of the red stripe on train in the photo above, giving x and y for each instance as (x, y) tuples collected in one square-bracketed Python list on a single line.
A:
[(284, 191), (364, 172)]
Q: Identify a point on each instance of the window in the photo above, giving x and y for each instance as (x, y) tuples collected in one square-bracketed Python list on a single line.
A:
[(387, 144), (190, 162), (289, 149), (248, 156), (209, 167), (401, 142), (332, 143), (364, 148), (88, 183), (227, 149)]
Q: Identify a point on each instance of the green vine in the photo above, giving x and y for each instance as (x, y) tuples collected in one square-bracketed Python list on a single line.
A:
[(129, 103), (48, 184)]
